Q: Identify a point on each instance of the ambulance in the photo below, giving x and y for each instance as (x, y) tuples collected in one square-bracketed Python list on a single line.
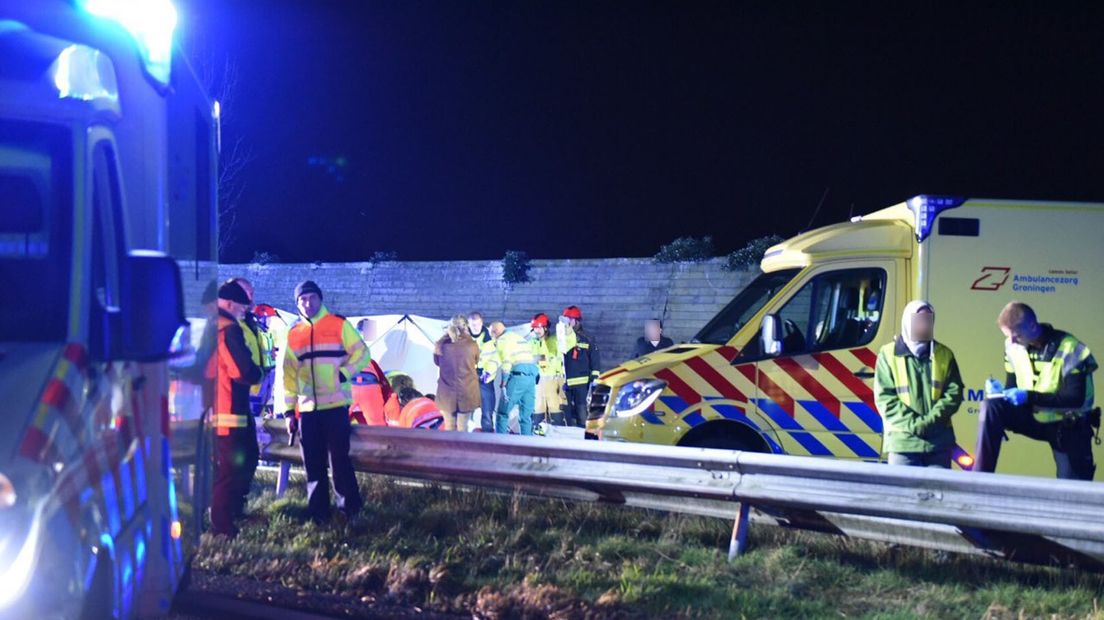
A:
[(787, 367), (107, 159)]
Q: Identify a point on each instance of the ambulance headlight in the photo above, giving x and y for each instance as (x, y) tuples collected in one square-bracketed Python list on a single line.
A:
[(636, 397), (20, 533)]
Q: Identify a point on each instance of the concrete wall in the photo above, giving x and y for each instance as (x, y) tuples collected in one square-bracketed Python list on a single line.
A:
[(616, 295)]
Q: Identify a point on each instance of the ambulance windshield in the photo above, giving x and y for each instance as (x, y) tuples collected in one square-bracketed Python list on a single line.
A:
[(36, 173), (729, 321)]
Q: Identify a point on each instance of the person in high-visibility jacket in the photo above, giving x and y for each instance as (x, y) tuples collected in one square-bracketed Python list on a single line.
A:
[(917, 388), (419, 411), (323, 351), (581, 362), (515, 358), (1047, 395), (487, 396), (550, 385), (236, 450)]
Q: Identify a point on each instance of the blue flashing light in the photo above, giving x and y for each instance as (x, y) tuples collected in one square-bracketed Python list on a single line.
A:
[(926, 208), (150, 22), (83, 73)]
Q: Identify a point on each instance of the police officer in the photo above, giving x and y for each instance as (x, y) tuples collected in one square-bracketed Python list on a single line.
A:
[(236, 450), (1047, 396), (323, 352), (514, 355), (580, 362)]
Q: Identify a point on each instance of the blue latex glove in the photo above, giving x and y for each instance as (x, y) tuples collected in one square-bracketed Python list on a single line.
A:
[(1016, 396), (993, 387), (486, 377)]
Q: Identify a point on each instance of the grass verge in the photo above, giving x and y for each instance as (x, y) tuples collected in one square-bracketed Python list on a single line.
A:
[(491, 555)]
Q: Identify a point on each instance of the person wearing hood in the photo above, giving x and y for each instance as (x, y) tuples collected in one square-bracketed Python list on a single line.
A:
[(917, 387), (324, 351)]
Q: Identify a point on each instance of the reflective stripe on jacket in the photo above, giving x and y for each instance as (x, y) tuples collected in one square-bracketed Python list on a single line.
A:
[(322, 354), (1044, 370), (917, 397), (236, 371)]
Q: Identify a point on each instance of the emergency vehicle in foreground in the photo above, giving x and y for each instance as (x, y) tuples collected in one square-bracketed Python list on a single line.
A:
[(788, 366), (107, 161)]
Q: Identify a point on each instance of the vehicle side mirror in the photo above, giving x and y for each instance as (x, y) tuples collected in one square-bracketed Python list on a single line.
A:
[(768, 335), (152, 307)]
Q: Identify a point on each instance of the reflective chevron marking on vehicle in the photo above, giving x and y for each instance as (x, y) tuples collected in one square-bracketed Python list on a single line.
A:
[(723, 386), (815, 389), (857, 386)]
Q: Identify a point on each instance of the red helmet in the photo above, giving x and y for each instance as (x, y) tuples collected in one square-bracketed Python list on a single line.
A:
[(264, 310), (540, 320), (573, 312)]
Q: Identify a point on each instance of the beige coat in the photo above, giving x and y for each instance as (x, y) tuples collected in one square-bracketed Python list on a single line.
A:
[(457, 384)]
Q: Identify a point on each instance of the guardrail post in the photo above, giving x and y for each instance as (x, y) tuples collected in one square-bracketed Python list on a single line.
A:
[(282, 479), (738, 544)]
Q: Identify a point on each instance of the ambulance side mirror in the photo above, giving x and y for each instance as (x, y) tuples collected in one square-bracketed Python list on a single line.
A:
[(768, 335), (152, 307)]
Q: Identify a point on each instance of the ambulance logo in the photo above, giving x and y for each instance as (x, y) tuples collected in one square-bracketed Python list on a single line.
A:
[(992, 279)]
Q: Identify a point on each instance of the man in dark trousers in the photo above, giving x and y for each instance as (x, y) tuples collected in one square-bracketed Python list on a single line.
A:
[(236, 450), (581, 364), (1047, 395), (324, 351)]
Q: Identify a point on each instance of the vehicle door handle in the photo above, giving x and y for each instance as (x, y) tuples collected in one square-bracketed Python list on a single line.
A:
[(864, 373)]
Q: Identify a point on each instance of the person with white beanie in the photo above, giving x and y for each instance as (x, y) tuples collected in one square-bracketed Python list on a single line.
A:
[(917, 387)]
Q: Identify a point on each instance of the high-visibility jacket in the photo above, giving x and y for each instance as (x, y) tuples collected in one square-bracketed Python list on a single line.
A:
[(370, 391), (512, 350), (1042, 371), (486, 350), (917, 397), (322, 354), (235, 372), (252, 341), (581, 359), (549, 358), (421, 413)]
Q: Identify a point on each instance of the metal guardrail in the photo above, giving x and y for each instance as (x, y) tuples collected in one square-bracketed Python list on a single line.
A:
[(1015, 517)]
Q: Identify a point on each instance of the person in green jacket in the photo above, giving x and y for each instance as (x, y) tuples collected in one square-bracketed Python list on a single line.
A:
[(917, 388)]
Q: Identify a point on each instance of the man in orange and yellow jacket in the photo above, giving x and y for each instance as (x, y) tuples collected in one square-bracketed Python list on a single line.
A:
[(324, 351)]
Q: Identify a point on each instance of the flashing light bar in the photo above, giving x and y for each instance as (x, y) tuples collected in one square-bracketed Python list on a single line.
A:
[(83, 73), (150, 22), (926, 208)]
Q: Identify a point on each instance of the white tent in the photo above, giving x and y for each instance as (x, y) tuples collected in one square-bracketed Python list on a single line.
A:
[(398, 343)]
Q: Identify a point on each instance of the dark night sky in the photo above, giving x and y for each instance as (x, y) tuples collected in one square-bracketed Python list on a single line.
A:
[(594, 128)]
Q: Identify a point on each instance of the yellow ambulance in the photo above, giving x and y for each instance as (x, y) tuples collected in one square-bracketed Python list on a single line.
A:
[(787, 366)]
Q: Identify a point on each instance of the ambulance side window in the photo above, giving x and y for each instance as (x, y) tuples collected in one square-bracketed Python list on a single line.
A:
[(106, 245), (836, 310), (847, 308)]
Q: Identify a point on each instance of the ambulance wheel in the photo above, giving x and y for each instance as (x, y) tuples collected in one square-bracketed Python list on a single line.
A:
[(99, 600), (725, 436)]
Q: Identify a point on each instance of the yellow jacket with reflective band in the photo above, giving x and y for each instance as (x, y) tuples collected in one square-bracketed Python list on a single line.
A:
[(322, 355), (487, 354), (1035, 374), (253, 342), (512, 350), (548, 356), (916, 398)]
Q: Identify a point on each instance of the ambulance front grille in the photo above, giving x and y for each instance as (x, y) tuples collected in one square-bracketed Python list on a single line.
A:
[(597, 400)]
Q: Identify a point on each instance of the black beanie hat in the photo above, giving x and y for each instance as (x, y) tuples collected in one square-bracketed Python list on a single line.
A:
[(307, 286), (232, 291)]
